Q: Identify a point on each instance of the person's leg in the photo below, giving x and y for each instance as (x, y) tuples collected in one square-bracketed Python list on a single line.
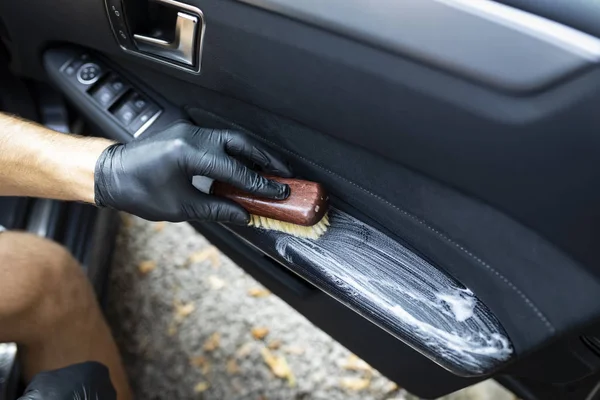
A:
[(48, 307)]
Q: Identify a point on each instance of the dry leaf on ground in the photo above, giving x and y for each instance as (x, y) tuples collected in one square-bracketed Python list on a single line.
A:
[(232, 366), (201, 387), (180, 312), (146, 267), (259, 292), (202, 363), (159, 226), (210, 253), (244, 350), (294, 350), (216, 282), (259, 332), (353, 363), (183, 310), (274, 344), (213, 342), (278, 365), (355, 384), (198, 361), (391, 387)]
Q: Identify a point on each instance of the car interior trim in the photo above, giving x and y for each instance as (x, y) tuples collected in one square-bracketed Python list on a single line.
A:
[(553, 32), (181, 49), (540, 51)]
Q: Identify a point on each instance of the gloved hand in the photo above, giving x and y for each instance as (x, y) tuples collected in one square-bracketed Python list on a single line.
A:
[(89, 380), (152, 177)]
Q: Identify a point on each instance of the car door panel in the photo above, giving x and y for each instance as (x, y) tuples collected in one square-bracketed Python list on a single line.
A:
[(408, 123), (457, 239), (485, 185), (254, 56)]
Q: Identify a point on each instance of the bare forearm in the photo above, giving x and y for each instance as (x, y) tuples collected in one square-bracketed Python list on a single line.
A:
[(38, 162)]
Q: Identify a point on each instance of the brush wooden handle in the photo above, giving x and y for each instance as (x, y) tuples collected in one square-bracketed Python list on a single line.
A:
[(307, 204)]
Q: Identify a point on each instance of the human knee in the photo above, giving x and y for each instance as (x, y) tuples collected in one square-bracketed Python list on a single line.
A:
[(38, 277)]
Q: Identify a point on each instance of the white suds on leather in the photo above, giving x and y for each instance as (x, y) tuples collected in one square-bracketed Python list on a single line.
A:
[(400, 291)]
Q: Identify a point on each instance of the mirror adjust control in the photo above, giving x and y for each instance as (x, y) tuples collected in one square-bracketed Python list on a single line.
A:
[(89, 73), (125, 114)]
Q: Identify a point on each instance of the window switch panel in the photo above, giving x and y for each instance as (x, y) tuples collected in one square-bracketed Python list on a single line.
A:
[(111, 95)]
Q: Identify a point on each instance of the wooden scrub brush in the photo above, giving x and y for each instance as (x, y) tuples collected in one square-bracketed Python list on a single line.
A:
[(302, 214)]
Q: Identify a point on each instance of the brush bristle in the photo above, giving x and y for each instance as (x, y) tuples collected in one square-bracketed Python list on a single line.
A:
[(310, 232)]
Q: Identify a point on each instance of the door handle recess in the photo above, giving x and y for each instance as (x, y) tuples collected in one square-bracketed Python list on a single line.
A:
[(181, 49)]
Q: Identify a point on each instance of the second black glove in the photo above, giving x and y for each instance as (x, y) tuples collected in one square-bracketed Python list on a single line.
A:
[(89, 380)]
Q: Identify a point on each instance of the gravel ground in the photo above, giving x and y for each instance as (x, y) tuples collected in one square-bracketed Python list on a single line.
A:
[(193, 325)]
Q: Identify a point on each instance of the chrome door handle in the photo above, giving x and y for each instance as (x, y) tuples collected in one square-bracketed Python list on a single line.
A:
[(181, 49)]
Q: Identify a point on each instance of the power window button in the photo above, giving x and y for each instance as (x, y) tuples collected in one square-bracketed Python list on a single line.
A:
[(117, 85), (110, 91), (139, 103), (125, 114), (104, 96)]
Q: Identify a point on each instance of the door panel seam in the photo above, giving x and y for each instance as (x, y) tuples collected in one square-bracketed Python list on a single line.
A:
[(422, 222)]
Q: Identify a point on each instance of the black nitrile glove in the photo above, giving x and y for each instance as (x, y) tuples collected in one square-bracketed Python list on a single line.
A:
[(152, 177), (89, 380)]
